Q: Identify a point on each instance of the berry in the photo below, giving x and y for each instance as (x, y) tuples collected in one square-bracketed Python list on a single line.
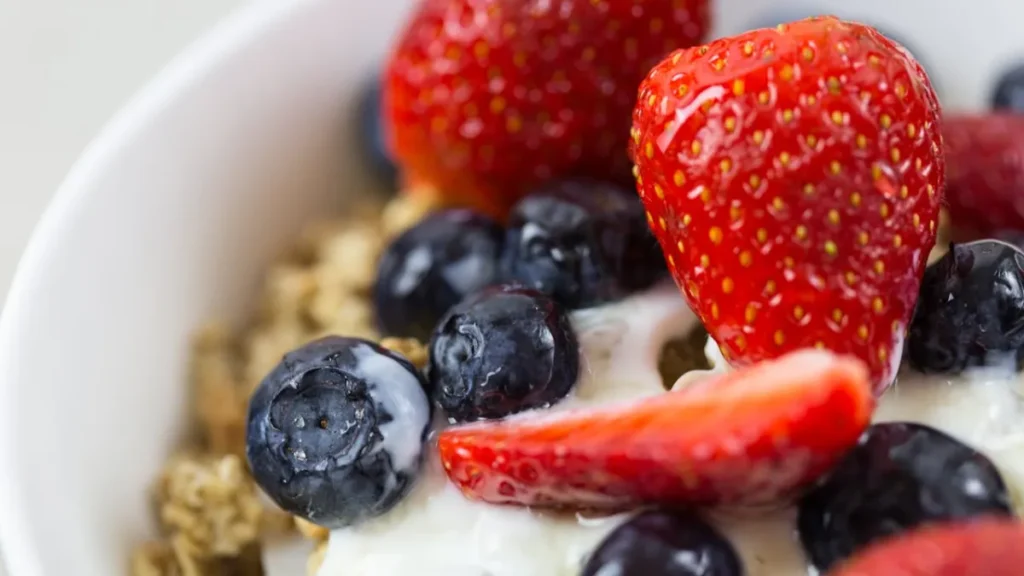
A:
[(985, 185), (487, 99), (502, 351), (746, 437), (432, 267), (900, 476), (335, 431), (371, 132), (971, 308), (1009, 91), (582, 243), (989, 547), (664, 543), (793, 177), (791, 14)]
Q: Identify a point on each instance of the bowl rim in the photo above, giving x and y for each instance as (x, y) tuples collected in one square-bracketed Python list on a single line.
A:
[(201, 58)]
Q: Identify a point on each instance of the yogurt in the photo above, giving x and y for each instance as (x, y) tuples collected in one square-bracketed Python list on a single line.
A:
[(435, 531)]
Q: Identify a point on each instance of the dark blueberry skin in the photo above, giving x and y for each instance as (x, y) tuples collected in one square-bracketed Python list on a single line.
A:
[(1009, 92), (432, 267), (970, 310), (502, 351), (583, 243), (336, 430), (372, 133), (664, 544), (899, 476)]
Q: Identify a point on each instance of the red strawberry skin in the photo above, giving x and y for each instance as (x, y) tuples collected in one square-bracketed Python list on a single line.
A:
[(985, 176), (984, 547), (793, 177), (747, 437), (487, 98)]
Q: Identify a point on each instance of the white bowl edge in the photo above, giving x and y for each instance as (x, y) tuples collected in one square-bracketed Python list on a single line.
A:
[(202, 57)]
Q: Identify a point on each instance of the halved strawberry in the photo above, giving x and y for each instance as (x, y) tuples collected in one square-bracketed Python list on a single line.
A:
[(984, 547), (793, 177), (746, 437), (487, 98), (985, 185)]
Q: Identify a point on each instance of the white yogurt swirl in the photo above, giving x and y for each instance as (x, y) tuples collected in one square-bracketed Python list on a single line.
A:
[(435, 531)]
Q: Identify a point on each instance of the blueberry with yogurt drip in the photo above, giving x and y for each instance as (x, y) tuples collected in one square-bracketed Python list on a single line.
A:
[(431, 267), (970, 308), (504, 350), (335, 432), (900, 476), (583, 243), (664, 543)]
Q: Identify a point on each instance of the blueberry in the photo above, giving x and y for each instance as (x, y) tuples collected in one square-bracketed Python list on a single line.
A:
[(970, 310), (1009, 92), (502, 351), (583, 243), (899, 476), (372, 132), (335, 432), (433, 266), (664, 544)]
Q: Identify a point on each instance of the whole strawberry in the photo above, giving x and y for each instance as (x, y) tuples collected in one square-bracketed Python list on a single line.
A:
[(985, 183), (487, 98), (793, 177)]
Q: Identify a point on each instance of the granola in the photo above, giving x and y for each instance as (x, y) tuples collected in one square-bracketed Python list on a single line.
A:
[(210, 511), (210, 504)]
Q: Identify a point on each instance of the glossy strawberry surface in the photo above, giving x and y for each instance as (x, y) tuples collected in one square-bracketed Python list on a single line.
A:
[(746, 437), (485, 99), (793, 177)]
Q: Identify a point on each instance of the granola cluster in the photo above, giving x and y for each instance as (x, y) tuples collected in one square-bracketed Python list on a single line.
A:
[(212, 517)]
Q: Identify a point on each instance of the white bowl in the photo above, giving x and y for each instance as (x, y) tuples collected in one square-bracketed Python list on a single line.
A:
[(171, 214)]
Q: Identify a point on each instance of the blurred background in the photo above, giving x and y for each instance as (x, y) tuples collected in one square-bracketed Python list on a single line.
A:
[(67, 66)]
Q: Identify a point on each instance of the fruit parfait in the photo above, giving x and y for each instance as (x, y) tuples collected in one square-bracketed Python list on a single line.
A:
[(609, 185)]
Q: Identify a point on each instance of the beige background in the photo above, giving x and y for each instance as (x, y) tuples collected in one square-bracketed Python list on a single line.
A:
[(65, 67)]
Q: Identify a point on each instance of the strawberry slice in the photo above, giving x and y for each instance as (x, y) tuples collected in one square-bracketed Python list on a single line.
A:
[(487, 98), (793, 178), (746, 437), (984, 547), (985, 185)]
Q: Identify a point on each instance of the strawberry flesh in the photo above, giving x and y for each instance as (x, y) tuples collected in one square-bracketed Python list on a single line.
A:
[(747, 437), (793, 177)]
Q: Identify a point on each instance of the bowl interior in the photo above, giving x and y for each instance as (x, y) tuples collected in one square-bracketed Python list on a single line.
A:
[(166, 221), (172, 213)]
